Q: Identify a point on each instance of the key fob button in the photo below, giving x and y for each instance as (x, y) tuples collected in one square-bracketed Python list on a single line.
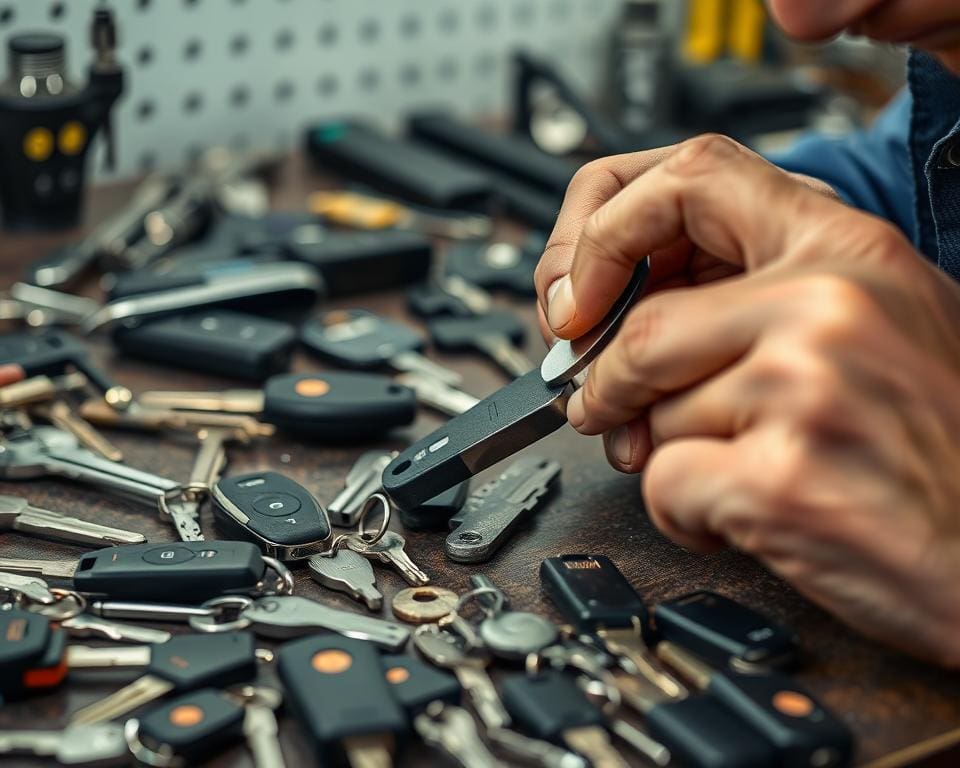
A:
[(168, 555), (277, 504)]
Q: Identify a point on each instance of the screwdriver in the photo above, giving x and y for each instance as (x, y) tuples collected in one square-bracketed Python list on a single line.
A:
[(323, 406)]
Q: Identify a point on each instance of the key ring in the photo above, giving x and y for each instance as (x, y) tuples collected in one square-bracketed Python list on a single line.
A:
[(56, 611), (211, 623), (284, 582), (366, 536), (466, 597), (163, 757)]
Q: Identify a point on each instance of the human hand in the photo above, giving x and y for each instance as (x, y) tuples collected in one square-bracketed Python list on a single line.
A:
[(802, 406)]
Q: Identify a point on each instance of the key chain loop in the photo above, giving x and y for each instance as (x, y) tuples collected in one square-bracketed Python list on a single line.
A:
[(368, 505), (68, 605), (466, 597), (218, 606), (163, 757), (284, 581)]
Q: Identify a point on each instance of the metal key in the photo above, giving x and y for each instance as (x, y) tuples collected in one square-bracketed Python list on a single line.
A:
[(32, 589), (153, 419), (359, 339), (184, 663), (44, 451), (497, 335), (433, 393), (17, 514), (363, 480), (347, 572), (260, 723), (89, 746), (388, 549), (493, 511), (512, 418), (451, 729), (289, 616), (62, 416), (85, 625), (38, 389)]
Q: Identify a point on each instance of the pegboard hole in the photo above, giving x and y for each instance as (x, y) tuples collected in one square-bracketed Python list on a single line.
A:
[(410, 74), (57, 11), (240, 142), (283, 91), (193, 102), (239, 44), (487, 16), (410, 26), (523, 13), (369, 79), (284, 40), (7, 15), (369, 30), (448, 69), (327, 34), (147, 162), (142, 5), (486, 64), (193, 49), (239, 96), (448, 20), (145, 110), (144, 55), (191, 3), (327, 85)]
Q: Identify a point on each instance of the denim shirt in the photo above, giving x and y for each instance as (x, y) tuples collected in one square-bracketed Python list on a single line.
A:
[(906, 167)]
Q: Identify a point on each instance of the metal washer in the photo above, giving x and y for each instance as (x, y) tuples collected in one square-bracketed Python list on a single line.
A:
[(423, 605)]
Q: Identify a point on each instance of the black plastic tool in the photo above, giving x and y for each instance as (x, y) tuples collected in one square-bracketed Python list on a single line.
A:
[(434, 514), (275, 512)]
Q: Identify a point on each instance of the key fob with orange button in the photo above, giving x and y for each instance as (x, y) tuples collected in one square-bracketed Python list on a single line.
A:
[(415, 684), (31, 653), (340, 406), (194, 725)]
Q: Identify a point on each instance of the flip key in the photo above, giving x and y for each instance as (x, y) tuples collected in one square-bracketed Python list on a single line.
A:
[(497, 335), (276, 513), (334, 406), (355, 338), (519, 414)]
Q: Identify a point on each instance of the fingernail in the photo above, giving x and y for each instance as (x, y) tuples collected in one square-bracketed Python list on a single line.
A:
[(621, 446), (560, 306), (575, 413)]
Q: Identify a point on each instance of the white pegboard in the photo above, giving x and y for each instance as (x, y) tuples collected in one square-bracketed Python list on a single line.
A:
[(253, 73)]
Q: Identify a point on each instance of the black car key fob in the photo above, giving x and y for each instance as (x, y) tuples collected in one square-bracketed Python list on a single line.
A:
[(414, 684), (435, 514), (721, 631), (549, 704), (495, 266), (344, 407), (274, 512), (337, 689), (357, 262), (194, 571), (515, 416), (49, 354), (591, 592), (355, 338), (193, 725), (218, 341), (24, 639)]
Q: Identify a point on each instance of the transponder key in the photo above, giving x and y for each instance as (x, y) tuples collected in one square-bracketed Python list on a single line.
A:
[(274, 512), (183, 663)]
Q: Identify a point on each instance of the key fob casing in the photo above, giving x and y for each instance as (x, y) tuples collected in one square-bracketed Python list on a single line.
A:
[(358, 339), (495, 266), (25, 638), (548, 704), (199, 661), (522, 412), (273, 511), (356, 262), (427, 300), (457, 334), (722, 631), (193, 725), (414, 684), (337, 406), (434, 514), (194, 571), (591, 592), (218, 341), (49, 353), (336, 688)]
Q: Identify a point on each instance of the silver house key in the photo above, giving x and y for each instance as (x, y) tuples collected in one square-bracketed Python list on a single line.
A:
[(90, 746), (519, 414), (388, 549), (493, 511), (432, 393), (347, 572), (48, 451), (17, 514), (288, 616), (451, 729), (260, 723), (363, 480)]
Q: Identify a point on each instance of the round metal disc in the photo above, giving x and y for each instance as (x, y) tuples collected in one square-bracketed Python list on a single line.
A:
[(514, 634), (423, 605)]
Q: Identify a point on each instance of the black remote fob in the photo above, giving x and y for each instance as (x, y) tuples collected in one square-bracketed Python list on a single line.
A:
[(415, 684), (591, 592), (193, 571), (218, 341), (194, 725), (276, 513), (722, 631)]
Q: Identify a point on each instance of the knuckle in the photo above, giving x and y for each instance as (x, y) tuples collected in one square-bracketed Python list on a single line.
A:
[(594, 178), (835, 306), (702, 152), (805, 386), (640, 329), (777, 486)]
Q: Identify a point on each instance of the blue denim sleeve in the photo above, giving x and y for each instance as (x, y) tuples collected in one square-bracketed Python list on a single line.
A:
[(869, 169)]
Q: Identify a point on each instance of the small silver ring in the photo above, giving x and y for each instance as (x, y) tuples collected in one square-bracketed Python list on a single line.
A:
[(163, 757), (284, 584), (368, 505), (331, 551), (216, 606), (466, 597), (62, 595)]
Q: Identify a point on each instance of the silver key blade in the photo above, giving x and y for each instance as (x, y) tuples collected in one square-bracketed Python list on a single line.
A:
[(72, 529), (534, 751), (452, 730), (651, 749), (501, 350), (85, 625), (349, 573), (33, 588), (87, 657), (185, 515), (48, 569), (483, 696), (293, 616), (437, 395), (389, 549), (260, 730), (414, 362), (363, 480), (568, 358), (127, 699), (87, 745), (593, 742)]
